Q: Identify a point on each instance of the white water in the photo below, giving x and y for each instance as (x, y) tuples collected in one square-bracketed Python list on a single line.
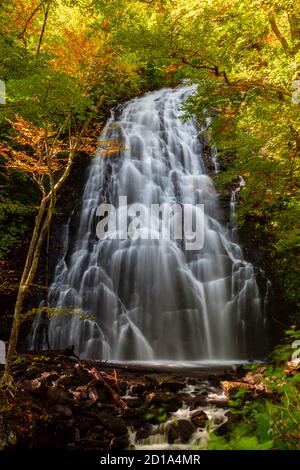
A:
[(157, 436), (214, 157), (233, 206), (158, 439), (148, 300)]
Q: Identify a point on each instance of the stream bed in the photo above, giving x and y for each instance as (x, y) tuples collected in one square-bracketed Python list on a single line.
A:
[(62, 402)]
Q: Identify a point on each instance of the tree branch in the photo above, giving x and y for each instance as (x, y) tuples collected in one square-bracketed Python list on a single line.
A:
[(294, 23), (279, 36), (31, 16), (212, 68), (46, 10)]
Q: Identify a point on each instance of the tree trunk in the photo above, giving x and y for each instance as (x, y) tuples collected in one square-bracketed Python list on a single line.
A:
[(38, 237), (41, 227)]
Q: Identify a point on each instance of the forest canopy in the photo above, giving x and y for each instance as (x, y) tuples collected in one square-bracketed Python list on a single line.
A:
[(62, 61), (64, 64)]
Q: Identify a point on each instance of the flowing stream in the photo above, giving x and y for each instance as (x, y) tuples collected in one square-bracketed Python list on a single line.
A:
[(150, 299)]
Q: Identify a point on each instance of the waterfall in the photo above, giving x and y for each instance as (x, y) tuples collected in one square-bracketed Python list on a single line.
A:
[(214, 157), (150, 299), (233, 205)]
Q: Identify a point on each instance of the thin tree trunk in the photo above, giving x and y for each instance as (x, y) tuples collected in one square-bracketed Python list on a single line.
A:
[(30, 268), (43, 31), (41, 227), (279, 36)]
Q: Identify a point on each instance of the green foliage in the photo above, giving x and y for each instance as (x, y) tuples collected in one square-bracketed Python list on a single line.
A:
[(104, 52), (240, 441), (109, 51), (271, 419), (19, 361), (154, 414), (46, 96), (256, 124), (283, 351), (55, 77), (14, 223), (101, 52)]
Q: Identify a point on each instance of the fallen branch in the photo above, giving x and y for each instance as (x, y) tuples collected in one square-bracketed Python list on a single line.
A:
[(99, 376)]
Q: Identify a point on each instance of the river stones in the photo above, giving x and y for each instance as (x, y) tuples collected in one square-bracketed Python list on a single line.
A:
[(199, 418), (179, 430), (167, 400)]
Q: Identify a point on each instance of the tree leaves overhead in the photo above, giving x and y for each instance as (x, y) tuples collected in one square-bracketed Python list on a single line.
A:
[(61, 58)]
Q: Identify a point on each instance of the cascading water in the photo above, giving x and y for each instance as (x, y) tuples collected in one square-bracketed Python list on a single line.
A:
[(233, 205), (150, 299), (214, 157)]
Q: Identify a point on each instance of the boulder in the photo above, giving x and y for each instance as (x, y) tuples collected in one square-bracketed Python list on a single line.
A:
[(37, 387), (199, 418), (166, 400), (167, 383), (63, 410), (143, 432), (95, 432), (120, 442), (53, 435), (114, 425), (133, 402), (98, 392), (85, 424), (179, 430), (132, 413)]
